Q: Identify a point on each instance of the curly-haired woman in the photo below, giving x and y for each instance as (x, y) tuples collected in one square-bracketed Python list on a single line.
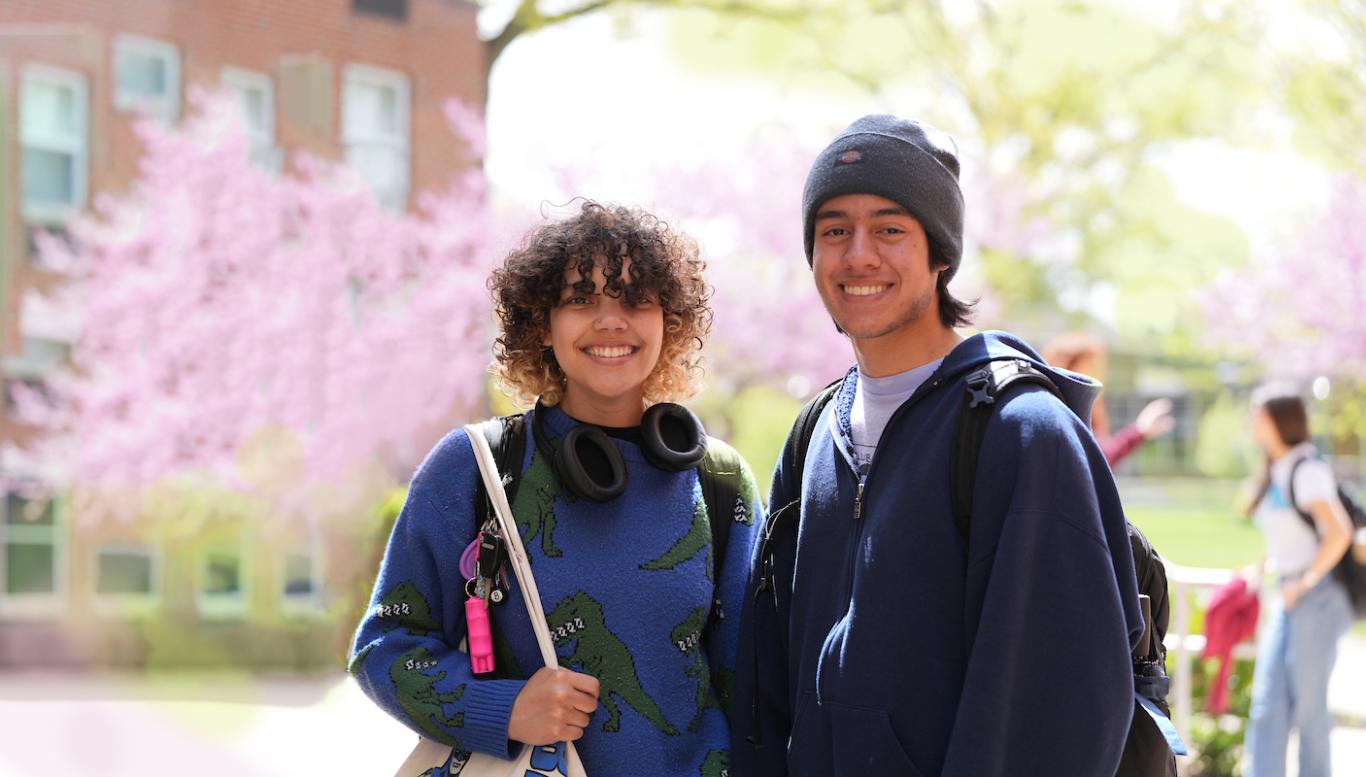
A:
[(602, 320)]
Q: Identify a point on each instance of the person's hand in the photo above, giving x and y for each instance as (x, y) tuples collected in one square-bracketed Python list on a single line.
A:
[(1291, 593), (1155, 419), (553, 706), (1294, 590)]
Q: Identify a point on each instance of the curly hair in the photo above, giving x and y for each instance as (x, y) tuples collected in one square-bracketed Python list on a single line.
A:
[(665, 266)]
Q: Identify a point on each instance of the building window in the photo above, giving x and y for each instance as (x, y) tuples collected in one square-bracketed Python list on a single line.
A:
[(54, 236), (125, 579), (37, 358), (15, 383), (375, 131), (254, 94), (124, 572), (306, 95), (31, 550), (147, 77), (54, 140), (222, 582), (302, 579), (389, 9)]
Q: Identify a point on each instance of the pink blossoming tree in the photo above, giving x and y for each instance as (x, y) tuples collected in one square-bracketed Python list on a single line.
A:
[(227, 310), (284, 333), (1300, 310)]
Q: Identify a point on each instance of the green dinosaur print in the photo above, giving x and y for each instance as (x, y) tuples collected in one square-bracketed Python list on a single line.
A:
[(716, 764), (724, 464), (687, 637), (689, 545), (356, 662), (402, 607), (417, 694), (536, 498), (601, 653)]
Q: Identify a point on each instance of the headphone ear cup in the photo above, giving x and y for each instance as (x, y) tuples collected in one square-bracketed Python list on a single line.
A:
[(587, 449), (673, 438)]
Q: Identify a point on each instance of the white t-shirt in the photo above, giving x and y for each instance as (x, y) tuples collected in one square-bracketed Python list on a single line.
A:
[(875, 399), (1290, 542)]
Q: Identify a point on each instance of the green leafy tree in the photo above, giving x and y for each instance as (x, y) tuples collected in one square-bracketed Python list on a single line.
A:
[(1071, 102), (526, 17), (1323, 85)]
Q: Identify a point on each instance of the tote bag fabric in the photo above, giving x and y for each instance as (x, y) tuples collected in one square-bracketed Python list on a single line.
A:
[(557, 760)]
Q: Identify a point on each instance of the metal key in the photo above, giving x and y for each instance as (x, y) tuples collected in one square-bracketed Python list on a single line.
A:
[(492, 555)]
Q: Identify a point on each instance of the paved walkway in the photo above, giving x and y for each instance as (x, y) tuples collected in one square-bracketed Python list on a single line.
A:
[(121, 726), (233, 726)]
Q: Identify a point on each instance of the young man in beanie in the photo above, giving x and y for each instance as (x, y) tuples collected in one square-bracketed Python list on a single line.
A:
[(884, 641)]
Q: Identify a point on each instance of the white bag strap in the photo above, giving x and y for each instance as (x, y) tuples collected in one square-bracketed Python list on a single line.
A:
[(493, 484)]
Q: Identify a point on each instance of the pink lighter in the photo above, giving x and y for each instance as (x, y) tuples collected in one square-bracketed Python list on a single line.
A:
[(480, 638)]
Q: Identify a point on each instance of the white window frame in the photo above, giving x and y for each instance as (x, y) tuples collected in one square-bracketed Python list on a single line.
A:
[(400, 139), (77, 144), (167, 107), (216, 606), (264, 153), (44, 605), (311, 603), (127, 605)]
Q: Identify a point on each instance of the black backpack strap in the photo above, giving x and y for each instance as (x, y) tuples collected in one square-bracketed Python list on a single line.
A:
[(794, 453), (1294, 503), (784, 517), (719, 477), (984, 387), (507, 439), (794, 456), (1151, 572)]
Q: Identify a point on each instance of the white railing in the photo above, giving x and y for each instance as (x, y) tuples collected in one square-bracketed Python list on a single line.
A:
[(1187, 587)]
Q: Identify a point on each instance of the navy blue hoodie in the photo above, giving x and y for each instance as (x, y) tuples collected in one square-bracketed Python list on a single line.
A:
[(892, 647)]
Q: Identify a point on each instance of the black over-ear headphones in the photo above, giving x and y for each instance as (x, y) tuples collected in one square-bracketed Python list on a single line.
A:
[(673, 440)]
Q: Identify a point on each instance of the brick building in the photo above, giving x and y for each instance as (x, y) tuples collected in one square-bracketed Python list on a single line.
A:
[(363, 80)]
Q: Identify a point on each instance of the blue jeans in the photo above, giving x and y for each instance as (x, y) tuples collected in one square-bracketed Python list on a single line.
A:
[(1295, 657)]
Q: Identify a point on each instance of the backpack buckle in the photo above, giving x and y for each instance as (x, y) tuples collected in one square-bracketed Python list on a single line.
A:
[(980, 388)]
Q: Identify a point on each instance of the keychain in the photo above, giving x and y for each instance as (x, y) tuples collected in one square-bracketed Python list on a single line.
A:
[(480, 637), (481, 588)]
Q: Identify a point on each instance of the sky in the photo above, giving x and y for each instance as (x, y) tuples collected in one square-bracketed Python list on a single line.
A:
[(595, 89), (587, 89)]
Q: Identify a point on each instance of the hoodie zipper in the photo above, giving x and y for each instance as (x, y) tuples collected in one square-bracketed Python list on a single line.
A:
[(859, 501)]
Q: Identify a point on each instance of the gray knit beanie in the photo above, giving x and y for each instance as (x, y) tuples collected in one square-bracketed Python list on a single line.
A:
[(909, 163)]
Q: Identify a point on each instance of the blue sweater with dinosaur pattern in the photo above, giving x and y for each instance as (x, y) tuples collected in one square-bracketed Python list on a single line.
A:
[(627, 591)]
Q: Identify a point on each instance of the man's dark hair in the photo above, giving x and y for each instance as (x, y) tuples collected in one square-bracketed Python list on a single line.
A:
[(953, 312)]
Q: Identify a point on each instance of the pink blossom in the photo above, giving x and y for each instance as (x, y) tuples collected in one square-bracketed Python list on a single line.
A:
[(1300, 308), (220, 302)]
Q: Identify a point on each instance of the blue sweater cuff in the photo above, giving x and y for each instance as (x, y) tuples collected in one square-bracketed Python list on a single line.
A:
[(487, 710)]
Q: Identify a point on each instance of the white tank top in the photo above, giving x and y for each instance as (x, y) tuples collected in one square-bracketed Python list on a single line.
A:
[(1291, 544)]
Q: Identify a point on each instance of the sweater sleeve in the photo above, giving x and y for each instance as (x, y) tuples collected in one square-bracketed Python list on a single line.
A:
[(406, 655), (761, 717), (1121, 444), (1051, 605), (747, 515)]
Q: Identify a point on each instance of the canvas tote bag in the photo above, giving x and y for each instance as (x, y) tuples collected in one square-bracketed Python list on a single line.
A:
[(558, 760)]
